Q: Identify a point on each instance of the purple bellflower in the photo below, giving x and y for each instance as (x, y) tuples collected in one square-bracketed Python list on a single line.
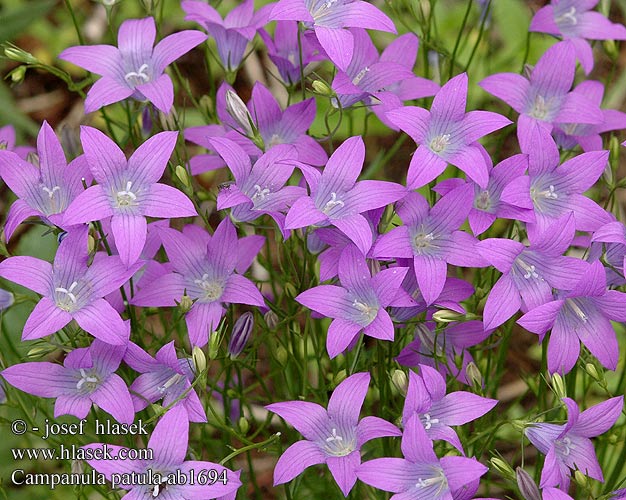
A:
[(135, 68), (72, 290), (574, 21), (203, 268), (426, 397), (283, 50), (232, 33), (7, 142), (367, 73), (421, 475), (338, 199), (333, 436), (47, 190), (272, 125), (164, 377), (260, 188), (568, 135), (506, 196), (545, 99), (612, 237), (580, 315), (445, 350), (128, 190), (359, 303), (330, 18), (557, 190), (86, 377), (431, 238), (168, 443), (447, 134), (568, 446), (529, 273)]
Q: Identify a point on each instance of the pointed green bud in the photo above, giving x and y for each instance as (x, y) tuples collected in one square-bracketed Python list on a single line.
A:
[(18, 74), (214, 344), (447, 316), (282, 356), (610, 47), (16, 54), (503, 468), (340, 377), (558, 386), (400, 381), (290, 290), (271, 319), (581, 479), (322, 88), (237, 109), (185, 303), (183, 176), (591, 369), (199, 359), (474, 375), (244, 426)]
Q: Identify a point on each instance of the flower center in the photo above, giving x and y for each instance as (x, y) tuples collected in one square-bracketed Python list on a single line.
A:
[(173, 380), (65, 297), (88, 382), (439, 143), (439, 478), (274, 140), (260, 194), (422, 240), (126, 197), (332, 203), (567, 18), (357, 79), (337, 446), (212, 290), (541, 108), (139, 77), (368, 312), (322, 8), (429, 422), (549, 193), (483, 200), (564, 446), (530, 270)]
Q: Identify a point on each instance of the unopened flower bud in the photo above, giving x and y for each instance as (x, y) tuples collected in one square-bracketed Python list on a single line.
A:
[(528, 70), (295, 328), (271, 319), (16, 54), (610, 48), (146, 121), (18, 74), (581, 479), (40, 351), (290, 290), (591, 369), (199, 359), (91, 243), (237, 109), (215, 340), (474, 376), (77, 467), (614, 151), (558, 386), (282, 356), (240, 334), (340, 377), (6, 299), (183, 176), (503, 468), (322, 88), (206, 103), (185, 303), (33, 158), (527, 487), (244, 426), (400, 381), (447, 316)]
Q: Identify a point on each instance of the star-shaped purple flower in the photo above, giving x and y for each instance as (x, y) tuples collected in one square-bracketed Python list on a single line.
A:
[(164, 377), (128, 190), (545, 98), (581, 315), (447, 134), (426, 397), (332, 436), (203, 268), (168, 443), (232, 33), (338, 199), (330, 18), (72, 290), (359, 303), (568, 446), (574, 21), (135, 68), (431, 237), (529, 273), (46, 191), (420, 475), (86, 377)]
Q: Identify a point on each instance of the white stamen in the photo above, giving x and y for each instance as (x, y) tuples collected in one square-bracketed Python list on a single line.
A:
[(86, 379), (51, 191), (439, 143), (570, 16), (422, 240), (138, 77), (212, 290), (174, 379), (69, 291), (578, 311), (357, 79), (429, 421), (332, 203), (334, 436), (367, 310), (260, 193), (126, 197)]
